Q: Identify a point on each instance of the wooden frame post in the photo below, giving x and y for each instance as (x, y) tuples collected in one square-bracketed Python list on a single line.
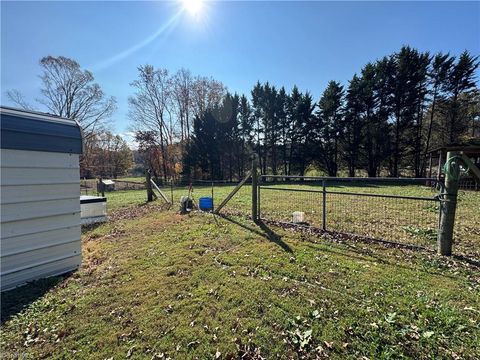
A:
[(148, 184), (449, 205), (429, 183), (439, 172), (101, 186), (255, 189)]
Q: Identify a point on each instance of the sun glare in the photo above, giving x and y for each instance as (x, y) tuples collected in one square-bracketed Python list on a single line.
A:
[(193, 7)]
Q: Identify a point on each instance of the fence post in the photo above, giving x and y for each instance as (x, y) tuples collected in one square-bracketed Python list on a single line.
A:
[(148, 185), (254, 189), (101, 186), (324, 206), (447, 210), (213, 203)]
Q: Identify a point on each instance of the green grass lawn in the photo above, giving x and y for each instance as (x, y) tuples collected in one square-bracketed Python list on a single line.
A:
[(161, 285)]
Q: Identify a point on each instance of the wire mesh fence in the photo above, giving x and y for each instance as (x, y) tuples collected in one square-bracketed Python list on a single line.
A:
[(398, 210), (401, 210)]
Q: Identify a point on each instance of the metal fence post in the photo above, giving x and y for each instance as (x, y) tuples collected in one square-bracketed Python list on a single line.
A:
[(447, 214), (259, 196), (324, 206), (255, 189)]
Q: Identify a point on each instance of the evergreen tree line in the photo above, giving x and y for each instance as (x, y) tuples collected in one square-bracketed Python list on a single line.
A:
[(383, 122)]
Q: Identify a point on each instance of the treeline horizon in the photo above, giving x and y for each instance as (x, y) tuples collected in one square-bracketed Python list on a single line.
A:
[(383, 122)]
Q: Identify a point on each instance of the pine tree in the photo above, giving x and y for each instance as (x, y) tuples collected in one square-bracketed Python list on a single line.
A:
[(353, 125), (283, 124), (330, 126), (376, 95), (247, 134), (438, 74), (461, 80)]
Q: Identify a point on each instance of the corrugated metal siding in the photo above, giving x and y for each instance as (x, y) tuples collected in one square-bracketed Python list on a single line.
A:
[(32, 226), (29, 259), (14, 194), (40, 218), (36, 176), (45, 160), (57, 267), (26, 130), (13, 244)]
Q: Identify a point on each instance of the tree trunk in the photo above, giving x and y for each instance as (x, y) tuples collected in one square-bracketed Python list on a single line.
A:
[(453, 117), (430, 126), (396, 151)]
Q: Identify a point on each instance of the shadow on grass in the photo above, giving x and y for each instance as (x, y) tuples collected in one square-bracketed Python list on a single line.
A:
[(469, 260), (371, 255), (265, 232), (16, 300), (89, 227)]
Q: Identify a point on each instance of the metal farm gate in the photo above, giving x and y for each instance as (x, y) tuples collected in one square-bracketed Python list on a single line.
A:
[(404, 211)]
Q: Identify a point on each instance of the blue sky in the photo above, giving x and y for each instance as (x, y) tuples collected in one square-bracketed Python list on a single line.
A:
[(238, 43)]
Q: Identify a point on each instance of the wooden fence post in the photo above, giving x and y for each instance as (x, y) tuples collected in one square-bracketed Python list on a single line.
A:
[(449, 204), (255, 189), (101, 186), (148, 185)]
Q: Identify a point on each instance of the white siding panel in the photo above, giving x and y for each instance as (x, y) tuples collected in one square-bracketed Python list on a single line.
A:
[(33, 226), (35, 258), (40, 215), (38, 240), (17, 194), (32, 176), (37, 209), (38, 159), (49, 269)]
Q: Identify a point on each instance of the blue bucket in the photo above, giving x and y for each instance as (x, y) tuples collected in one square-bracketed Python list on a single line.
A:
[(205, 203)]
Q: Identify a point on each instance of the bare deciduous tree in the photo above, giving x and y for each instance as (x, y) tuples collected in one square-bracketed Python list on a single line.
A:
[(182, 97), (207, 93), (107, 155), (149, 107), (17, 98), (163, 107), (70, 92)]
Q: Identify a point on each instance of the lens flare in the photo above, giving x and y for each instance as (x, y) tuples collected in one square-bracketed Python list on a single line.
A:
[(193, 7)]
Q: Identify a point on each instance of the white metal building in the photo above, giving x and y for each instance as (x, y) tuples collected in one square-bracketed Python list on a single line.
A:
[(40, 190)]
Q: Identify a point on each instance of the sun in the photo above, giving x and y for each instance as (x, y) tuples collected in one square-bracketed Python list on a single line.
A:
[(193, 7)]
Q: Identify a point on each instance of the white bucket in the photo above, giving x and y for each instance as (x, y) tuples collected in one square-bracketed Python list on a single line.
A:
[(298, 217)]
